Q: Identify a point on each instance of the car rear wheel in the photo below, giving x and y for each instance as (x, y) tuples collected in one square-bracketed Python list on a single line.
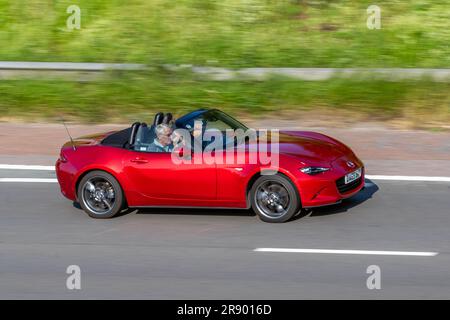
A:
[(274, 198), (100, 195)]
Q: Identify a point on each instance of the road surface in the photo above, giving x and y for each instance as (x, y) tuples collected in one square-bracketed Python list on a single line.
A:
[(213, 254), (209, 254)]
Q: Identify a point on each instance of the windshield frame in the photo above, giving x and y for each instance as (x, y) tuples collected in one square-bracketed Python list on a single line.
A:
[(188, 123)]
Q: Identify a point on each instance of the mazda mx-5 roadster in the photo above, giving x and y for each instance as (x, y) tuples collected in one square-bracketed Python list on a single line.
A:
[(276, 174)]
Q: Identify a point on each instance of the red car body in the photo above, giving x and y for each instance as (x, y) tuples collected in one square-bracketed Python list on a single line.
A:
[(153, 180)]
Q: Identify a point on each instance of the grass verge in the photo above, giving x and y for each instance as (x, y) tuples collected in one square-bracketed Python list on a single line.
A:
[(127, 97)]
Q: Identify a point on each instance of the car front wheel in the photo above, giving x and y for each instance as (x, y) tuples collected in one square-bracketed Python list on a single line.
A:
[(274, 198), (100, 195)]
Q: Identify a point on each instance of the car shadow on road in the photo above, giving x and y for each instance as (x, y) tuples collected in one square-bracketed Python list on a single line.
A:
[(197, 211), (344, 206), (347, 204), (182, 211)]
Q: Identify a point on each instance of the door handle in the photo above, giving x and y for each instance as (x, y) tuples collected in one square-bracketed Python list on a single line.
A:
[(139, 160)]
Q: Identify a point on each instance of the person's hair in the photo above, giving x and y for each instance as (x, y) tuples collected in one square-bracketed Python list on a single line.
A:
[(161, 129)]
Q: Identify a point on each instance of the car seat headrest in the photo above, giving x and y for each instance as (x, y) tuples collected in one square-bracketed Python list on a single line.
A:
[(158, 118), (134, 128), (167, 118)]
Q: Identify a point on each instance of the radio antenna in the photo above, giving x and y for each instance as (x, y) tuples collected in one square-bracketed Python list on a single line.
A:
[(68, 133)]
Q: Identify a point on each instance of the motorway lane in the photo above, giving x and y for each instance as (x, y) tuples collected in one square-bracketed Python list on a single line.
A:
[(207, 254)]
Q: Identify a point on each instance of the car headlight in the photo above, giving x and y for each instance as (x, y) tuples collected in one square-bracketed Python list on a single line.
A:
[(314, 170)]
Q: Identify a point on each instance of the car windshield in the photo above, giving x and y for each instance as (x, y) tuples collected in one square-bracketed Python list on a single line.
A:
[(213, 119), (209, 121)]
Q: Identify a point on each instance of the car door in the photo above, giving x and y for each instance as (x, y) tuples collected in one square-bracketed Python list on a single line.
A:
[(164, 182)]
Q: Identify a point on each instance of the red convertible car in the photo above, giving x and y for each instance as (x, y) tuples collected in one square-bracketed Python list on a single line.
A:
[(106, 173)]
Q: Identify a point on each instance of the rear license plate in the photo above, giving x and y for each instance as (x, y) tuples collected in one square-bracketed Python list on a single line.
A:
[(352, 176)]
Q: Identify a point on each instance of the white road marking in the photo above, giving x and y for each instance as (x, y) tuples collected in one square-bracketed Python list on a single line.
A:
[(26, 167), (28, 180), (372, 177), (361, 252), (409, 178)]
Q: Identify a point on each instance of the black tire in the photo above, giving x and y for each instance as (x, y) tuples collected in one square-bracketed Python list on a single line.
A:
[(100, 195), (270, 192)]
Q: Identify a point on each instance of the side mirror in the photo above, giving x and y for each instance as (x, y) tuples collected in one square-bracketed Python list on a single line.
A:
[(183, 153), (179, 152)]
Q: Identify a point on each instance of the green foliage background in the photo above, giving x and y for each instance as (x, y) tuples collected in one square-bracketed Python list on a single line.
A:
[(225, 33)]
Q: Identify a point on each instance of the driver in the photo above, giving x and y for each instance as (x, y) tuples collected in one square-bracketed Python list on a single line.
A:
[(163, 141)]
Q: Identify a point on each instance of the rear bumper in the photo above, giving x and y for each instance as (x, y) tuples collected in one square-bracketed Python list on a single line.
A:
[(65, 174)]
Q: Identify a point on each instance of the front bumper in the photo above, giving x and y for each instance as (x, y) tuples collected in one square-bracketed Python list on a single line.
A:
[(329, 194), (329, 188)]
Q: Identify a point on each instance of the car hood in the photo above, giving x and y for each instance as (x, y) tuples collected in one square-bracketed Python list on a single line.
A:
[(310, 145)]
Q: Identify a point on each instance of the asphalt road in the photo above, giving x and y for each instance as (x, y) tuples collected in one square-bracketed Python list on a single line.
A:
[(208, 254)]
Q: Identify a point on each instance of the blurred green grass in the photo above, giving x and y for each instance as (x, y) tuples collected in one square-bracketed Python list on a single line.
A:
[(138, 96), (229, 33), (226, 33)]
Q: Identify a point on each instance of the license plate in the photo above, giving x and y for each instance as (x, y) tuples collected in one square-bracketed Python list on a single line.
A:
[(352, 176)]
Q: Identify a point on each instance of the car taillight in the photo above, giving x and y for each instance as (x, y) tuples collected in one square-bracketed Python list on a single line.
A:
[(62, 158)]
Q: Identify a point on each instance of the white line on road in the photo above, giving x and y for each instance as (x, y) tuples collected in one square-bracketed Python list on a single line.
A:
[(409, 178), (26, 167), (28, 180), (372, 177), (361, 252)]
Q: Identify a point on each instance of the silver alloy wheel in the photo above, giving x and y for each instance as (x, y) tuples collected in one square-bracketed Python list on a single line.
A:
[(98, 195), (272, 199)]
